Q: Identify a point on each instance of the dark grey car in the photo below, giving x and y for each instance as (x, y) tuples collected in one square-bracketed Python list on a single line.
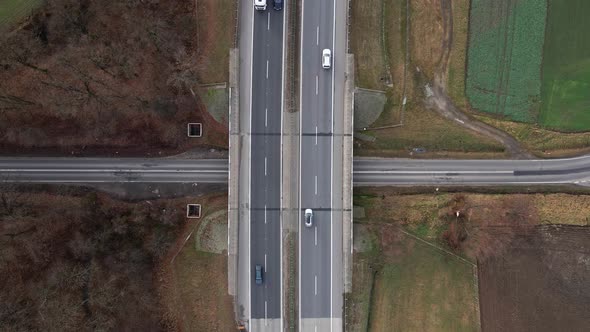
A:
[(278, 4)]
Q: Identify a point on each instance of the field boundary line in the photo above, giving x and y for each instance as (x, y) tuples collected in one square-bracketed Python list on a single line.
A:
[(476, 296), (439, 248)]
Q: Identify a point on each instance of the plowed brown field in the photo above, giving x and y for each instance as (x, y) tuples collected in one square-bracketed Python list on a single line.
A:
[(541, 282)]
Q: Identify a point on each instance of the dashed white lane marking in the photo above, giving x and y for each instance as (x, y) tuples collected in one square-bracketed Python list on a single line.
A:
[(316, 135), (264, 165), (264, 263), (317, 82), (316, 236), (317, 37), (265, 213), (267, 69), (316, 285), (265, 313), (316, 184), (268, 22), (266, 117)]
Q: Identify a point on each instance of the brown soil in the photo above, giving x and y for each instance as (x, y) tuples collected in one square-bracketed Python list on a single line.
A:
[(540, 283), (532, 276), (85, 78), (74, 260)]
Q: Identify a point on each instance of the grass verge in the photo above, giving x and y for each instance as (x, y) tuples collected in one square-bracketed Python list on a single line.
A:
[(216, 28), (13, 10), (458, 56), (542, 142), (194, 289), (201, 298), (425, 129)]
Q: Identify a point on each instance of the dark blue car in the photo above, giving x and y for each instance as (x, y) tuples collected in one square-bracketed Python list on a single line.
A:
[(278, 4), (258, 274)]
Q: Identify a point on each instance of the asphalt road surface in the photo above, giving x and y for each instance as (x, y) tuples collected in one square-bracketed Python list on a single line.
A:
[(96, 170), (317, 117), (372, 171), (266, 118), (367, 171)]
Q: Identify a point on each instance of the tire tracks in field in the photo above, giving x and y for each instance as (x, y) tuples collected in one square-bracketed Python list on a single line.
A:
[(440, 102)]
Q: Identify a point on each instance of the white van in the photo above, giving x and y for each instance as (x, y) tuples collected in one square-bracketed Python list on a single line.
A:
[(260, 4)]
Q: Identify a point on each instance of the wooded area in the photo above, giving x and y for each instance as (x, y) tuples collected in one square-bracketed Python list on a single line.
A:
[(99, 76)]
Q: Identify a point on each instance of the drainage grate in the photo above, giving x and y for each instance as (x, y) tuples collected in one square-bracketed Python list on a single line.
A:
[(193, 210), (194, 130)]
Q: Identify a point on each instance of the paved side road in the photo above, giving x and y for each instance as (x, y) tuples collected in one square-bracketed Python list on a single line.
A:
[(374, 171), (367, 171), (97, 170)]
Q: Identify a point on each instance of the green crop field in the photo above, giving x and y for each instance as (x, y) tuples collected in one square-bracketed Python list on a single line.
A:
[(565, 87), (504, 57), (13, 10)]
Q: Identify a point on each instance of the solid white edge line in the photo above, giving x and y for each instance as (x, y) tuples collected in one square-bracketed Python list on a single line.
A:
[(332, 180), (432, 172), (300, 151), (352, 171), (229, 175), (113, 170), (284, 59), (249, 218)]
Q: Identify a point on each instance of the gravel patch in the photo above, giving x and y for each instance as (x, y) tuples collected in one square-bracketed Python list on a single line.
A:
[(368, 106), (216, 100), (212, 233)]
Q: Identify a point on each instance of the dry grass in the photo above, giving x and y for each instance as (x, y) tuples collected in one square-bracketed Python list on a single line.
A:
[(367, 47), (425, 290), (456, 74), (195, 288), (201, 291), (422, 128), (426, 33), (543, 142), (216, 27), (423, 213), (426, 129)]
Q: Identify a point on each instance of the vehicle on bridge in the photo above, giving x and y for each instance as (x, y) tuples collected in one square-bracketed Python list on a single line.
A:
[(308, 217), (326, 58), (278, 4), (258, 274), (260, 4)]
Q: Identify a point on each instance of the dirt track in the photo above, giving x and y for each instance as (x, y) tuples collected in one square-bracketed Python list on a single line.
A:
[(440, 102)]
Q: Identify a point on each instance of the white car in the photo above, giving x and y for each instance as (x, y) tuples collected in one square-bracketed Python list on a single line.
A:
[(308, 217), (326, 58), (260, 4)]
